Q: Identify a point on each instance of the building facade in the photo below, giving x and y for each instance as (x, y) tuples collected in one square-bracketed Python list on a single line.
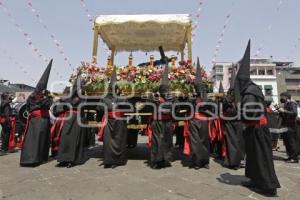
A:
[(263, 73), (288, 80)]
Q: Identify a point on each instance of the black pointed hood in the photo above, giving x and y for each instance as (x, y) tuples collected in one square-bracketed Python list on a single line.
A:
[(242, 79), (233, 76), (199, 87), (221, 88), (43, 82), (244, 65), (198, 79)]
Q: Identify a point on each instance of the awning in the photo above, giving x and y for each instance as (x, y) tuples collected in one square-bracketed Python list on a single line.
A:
[(260, 86), (144, 32), (268, 87)]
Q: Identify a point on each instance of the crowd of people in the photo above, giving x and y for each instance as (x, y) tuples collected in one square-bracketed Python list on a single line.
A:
[(242, 134)]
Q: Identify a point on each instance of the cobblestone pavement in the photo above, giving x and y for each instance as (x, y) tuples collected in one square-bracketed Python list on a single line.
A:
[(135, 181)]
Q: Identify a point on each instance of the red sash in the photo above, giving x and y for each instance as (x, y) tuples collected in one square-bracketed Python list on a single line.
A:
[(2, 119), (34, 114), (215, 129), (262, 122), (11, 141), (216, 134), (112, 115), (186, 132)]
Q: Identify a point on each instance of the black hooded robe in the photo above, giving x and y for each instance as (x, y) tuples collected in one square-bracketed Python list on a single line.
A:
[(198, 136), (258, 143), (5, 112), (160, 132), (36, 142), (72, 141), (114, 134), (233, 131)]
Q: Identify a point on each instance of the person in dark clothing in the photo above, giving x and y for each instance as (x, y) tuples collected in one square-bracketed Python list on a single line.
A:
[(298, 134), (289, 115), (59, 111), (160, 127), (113, 127), (36, 140), (274, 123), (7, 122), (196, 144), (258, 141), (71, 150), (233, 129)]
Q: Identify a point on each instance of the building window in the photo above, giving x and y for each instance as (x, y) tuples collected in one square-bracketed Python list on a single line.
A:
[(270, 72), (219, 68), (253, 72), (261, 72), (268, 90), (219, 78)]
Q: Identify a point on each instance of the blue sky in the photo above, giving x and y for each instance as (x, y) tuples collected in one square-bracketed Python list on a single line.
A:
[(68, 21)]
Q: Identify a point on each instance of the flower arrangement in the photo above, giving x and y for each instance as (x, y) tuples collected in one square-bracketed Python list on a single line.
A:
[(140, 79)]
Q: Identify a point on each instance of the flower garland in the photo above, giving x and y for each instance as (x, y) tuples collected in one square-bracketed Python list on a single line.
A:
[(140, 79)]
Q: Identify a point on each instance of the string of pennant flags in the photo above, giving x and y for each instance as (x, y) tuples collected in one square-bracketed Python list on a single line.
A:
[(18, 64), (84, 6), (197, 17), (27, 37), (86, 10), (269, 29), (221, 36), (51, 35), (25, 34), (293, 49), (90, 18)]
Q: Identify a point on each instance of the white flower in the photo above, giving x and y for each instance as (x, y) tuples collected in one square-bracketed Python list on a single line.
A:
[(84, 75)]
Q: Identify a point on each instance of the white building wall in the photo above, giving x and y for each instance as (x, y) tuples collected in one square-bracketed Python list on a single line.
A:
[(264, 82)]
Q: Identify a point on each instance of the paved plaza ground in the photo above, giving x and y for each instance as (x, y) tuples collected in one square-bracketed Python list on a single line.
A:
[(135, 181)]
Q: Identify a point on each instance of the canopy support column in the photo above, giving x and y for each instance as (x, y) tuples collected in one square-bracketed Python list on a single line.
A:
[(113, 50), (189, 43), (95, 44), (182, 55)]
